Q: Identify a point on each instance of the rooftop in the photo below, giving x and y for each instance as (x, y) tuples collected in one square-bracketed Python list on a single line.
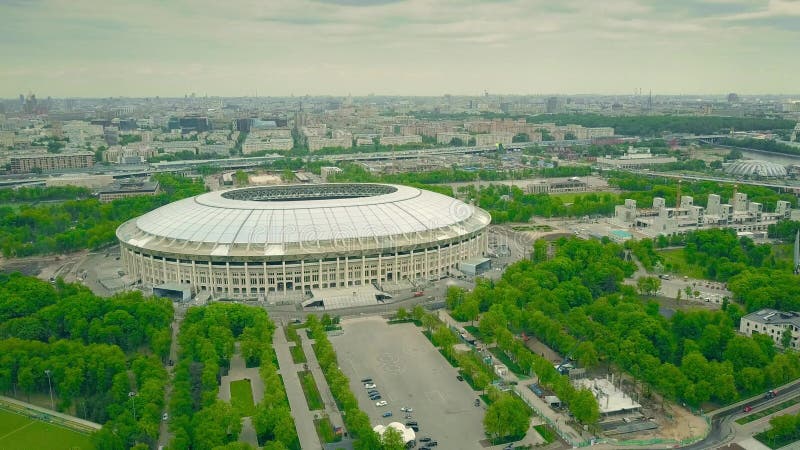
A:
[(774, 317)]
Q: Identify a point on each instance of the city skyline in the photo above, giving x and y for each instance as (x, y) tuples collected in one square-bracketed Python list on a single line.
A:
[(403, 47)]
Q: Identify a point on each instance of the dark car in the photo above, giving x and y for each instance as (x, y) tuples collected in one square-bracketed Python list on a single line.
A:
[(375, 397), (373, 392), (459, 378), (432, 444), (366, 380), (425, 439), (415, 428), (411, 423)]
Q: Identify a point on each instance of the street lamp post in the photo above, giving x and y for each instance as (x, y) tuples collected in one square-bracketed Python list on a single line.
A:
[(132, 396), (50, 385)]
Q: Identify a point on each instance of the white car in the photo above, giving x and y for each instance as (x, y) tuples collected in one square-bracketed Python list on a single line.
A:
[(369, 385), (406, 409), (381, 403)]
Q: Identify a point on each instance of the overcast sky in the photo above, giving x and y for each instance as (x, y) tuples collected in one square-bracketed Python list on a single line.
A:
[(94, 48)]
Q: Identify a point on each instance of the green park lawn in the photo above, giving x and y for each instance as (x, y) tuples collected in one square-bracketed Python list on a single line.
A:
[(242, 397), (313, 397), (325, 431), (677, 260), (22, 433), (298, 355)]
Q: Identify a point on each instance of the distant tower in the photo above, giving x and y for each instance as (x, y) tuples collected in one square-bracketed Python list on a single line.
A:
[(650, 101), (678, 200)]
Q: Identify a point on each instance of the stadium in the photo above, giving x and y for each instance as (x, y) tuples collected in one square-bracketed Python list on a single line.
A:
[(260, 241)]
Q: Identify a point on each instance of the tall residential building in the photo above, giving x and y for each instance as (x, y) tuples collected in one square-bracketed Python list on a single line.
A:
[(50, 162)]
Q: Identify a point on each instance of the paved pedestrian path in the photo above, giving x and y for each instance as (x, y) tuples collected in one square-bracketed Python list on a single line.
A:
[(303, 418), (322, 384)]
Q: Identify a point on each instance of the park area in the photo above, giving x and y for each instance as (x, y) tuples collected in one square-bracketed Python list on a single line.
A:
[(242, 397), (19, 432)]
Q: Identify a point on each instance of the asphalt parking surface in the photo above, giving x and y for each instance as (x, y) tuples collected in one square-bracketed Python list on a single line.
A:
[(409, 371)]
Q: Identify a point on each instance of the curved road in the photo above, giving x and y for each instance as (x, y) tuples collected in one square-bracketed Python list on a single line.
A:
[(722, 421)]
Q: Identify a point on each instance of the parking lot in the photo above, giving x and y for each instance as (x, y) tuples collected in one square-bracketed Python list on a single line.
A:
[(409, 371)]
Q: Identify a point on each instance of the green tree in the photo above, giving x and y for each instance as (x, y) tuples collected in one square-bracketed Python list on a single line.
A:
[(402, 314), (584, 407), (507, 416), (786, 338), (392, 440), (648, 285)]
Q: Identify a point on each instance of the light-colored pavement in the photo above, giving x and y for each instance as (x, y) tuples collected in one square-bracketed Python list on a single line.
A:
[(322, 384), (303, 418), (239, 371), (248, 433), (409, 371)]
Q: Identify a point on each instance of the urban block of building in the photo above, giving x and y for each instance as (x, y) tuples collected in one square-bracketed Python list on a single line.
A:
[(128, 188), (634, 158), (774, 324), (742, 215), (50, 162)]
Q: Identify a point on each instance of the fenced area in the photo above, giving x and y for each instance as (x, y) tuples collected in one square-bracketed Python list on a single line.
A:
[(23, 427)]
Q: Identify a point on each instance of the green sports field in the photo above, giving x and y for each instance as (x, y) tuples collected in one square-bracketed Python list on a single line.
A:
[(22, 433)]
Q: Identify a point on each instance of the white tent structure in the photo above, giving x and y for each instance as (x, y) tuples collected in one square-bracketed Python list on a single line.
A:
[(407, 433)]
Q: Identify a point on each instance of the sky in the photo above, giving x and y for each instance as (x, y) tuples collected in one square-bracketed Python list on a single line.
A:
[(145, 48)]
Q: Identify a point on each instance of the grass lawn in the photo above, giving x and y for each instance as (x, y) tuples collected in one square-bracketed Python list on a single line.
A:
[(242, 397), (22, 433), (768, 411), (546, 433), (677, 260), (325, 431), (313, 398), (762, 437), (298, 355)]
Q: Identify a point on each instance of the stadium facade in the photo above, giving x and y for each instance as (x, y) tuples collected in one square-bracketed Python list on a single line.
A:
[(250, 242)]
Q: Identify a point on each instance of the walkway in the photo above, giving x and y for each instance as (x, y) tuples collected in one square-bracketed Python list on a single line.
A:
[(240, 371), (303, 418), (313, 365), (164, 435), (521, 388)]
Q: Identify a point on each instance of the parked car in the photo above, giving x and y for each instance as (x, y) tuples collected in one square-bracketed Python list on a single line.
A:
[(165, 417), (373, 392), (406, 409), (459, 378), (369, 386), (375, 397), (387, 414), (748, 408), (381, 403), (432, 444), (425, 439), (366, 380)]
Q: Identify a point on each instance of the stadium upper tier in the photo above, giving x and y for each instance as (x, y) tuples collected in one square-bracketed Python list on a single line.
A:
[(277, 221)]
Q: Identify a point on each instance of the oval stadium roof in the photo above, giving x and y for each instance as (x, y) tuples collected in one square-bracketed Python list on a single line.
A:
[(305, 213), (756, 167)]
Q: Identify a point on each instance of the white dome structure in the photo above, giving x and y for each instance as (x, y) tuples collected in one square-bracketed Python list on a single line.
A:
[(407, 433), (251, 241), (752, 167)]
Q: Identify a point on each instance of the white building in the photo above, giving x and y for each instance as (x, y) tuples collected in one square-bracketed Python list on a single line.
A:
[(774, 324), (742, 215)]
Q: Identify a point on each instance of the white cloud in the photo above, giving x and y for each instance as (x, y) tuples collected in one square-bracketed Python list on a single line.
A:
[(404, 46)]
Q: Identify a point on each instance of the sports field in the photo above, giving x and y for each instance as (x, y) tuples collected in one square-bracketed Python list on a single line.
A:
[(22, 433)]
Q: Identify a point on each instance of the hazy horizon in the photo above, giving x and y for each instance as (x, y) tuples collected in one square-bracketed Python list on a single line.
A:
[(94, 49)]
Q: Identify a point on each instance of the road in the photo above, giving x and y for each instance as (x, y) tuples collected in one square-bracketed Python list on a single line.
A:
[(164, 435), (722, 420)]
